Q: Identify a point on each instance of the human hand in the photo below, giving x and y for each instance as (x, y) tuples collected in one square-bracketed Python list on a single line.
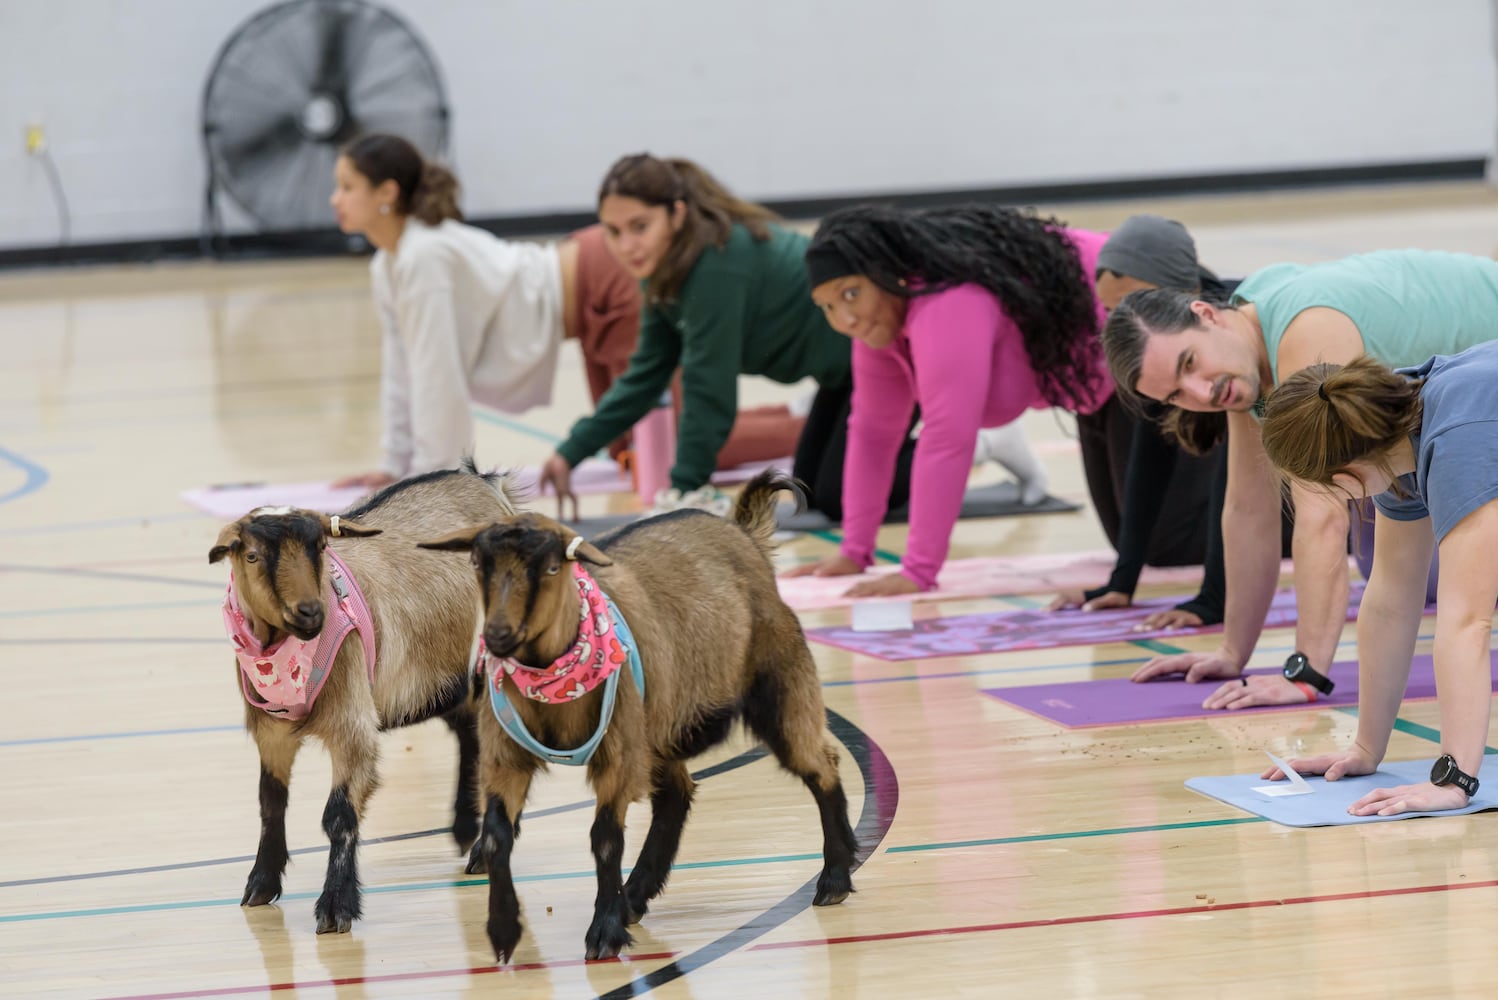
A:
[(1343, 763), (1196, 667), (1172, 618), (1257, 689), (1078, 599), (557, 474), (367, 480), (838, 565), (1423, 797), (889, 585)]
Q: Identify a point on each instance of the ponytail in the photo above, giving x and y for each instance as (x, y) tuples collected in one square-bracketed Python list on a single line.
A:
[(429, 191)]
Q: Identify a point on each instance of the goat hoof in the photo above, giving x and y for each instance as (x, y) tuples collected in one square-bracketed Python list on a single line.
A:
[(465, 831), (504, 940), (335, 925), (477, 864), (258, 892), (833, 888), (333, 918), (607, 942)]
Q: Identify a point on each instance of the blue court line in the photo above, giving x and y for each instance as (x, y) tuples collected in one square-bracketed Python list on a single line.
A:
[(120, 736), (36, 476), (519, 427)]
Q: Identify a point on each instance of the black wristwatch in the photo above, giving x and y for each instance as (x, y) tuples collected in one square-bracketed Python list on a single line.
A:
[(1445, 772), (1298, 668)]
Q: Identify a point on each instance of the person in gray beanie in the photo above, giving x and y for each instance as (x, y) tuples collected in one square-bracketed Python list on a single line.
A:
[(1164, 499)]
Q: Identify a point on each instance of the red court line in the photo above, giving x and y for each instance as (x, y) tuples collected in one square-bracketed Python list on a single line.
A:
[(1249, 904)]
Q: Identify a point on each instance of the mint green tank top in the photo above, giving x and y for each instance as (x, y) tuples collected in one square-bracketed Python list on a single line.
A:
[(1409, 305)]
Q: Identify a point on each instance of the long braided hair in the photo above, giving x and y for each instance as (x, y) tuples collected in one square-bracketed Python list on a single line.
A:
[(1020, 257)]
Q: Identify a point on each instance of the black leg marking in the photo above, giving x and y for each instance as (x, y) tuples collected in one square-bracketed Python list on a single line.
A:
[(264, 885), (495, 847), (670, 802), (338, 906), (609, 932), (839, 846), (465, 801)]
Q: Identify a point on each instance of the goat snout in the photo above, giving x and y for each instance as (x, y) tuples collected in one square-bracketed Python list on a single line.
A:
[(305, 621), (501, 640)]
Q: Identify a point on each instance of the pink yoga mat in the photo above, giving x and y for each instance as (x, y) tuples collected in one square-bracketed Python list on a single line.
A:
[(1119, 701), (988, 576)]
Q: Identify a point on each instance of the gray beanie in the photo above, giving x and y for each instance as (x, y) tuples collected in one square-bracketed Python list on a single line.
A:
[(1153, 249)]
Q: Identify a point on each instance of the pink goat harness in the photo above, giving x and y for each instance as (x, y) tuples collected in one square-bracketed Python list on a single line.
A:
[(286, 679)]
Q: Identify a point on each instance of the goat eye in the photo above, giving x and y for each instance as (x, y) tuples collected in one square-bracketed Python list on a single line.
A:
[(553, 569), (250, 557)]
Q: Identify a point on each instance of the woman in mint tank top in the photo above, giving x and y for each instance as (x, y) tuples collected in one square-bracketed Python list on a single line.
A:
[(1422, 442)]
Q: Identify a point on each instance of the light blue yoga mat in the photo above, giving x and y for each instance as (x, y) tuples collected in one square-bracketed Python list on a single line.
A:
[(1327, 805)]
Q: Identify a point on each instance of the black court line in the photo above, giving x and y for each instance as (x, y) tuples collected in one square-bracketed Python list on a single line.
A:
[(104, 574), (880, 800), (732, 764)]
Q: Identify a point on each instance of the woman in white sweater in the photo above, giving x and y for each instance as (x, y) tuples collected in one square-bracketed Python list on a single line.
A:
[(468, 317)]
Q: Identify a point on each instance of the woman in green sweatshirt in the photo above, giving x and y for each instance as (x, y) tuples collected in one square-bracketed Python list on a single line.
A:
[(725, 293)]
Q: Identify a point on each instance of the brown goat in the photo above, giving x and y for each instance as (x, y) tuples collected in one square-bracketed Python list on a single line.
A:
[(718, 645), (425, 610)]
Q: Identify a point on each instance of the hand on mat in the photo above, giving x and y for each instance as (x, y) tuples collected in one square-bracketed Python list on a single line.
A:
[(1261, 689), (557, 474), (1078, 599), (1174, 618), (1423, 797), (369, 481), (890, 585), (838, 565), (1196, 667), (1343, 764)]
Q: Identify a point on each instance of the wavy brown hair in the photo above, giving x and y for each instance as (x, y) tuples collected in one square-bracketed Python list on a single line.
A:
[(428, 190), (1326, 417), (711, 212)]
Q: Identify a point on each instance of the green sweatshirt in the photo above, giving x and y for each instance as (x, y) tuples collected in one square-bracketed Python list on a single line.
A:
[(745, 308)]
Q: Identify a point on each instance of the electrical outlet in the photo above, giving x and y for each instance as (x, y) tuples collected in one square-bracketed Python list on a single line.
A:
[(36, 138)]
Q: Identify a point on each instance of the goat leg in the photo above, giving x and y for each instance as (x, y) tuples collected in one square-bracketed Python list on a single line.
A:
[(264, 885), (609, 931), (465, 829), (838, 843), (670, 802), (339, 905), (496, 843)]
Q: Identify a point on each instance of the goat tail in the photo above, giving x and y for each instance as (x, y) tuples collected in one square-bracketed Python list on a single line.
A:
[(754, 511)]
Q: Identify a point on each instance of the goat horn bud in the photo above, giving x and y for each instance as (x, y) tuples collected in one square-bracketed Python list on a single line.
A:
[(572, 546)]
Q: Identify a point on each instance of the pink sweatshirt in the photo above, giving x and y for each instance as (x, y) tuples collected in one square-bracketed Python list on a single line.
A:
[(963, 360)]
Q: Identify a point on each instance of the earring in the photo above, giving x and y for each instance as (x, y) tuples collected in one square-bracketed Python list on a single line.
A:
[(384, 209)]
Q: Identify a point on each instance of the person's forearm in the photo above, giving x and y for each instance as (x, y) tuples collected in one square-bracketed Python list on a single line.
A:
[(1464, 680), (1152, 460), (1388, 622), (1253, 567), (1321, 579)]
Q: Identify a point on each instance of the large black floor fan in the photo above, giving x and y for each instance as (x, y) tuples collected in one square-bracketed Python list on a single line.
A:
[(294, 83)]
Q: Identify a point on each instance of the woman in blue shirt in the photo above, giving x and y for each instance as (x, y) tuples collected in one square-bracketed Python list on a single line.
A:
[(1423, 443)]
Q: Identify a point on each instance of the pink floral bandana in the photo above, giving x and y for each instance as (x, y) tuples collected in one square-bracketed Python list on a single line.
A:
[(286, 679), (596, 655)]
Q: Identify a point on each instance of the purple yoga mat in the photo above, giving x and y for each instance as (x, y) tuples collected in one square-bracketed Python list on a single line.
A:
[(1119, 701), (1006, 631)]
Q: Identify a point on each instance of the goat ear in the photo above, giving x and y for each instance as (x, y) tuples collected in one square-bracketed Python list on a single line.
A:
[(228, 541), (588, 552), (457, 541), (346, 528)]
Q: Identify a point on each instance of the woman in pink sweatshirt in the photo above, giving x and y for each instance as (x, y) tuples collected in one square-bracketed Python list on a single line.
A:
[(975, 314)]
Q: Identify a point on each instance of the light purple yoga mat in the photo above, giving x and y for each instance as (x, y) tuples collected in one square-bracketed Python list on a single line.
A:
[(1119, 701), (1006, 631)]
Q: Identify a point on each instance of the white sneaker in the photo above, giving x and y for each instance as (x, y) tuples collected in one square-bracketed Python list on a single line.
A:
[(1009, 447), (707, 498)]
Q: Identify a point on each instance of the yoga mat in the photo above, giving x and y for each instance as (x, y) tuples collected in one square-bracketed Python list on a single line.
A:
[(993, 500), (1327, 804), (592, 476), (1006, 631), (986, 576), (1119, 701)]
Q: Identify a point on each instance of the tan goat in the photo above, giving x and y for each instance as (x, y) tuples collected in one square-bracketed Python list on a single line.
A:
[(717, 643), (424, 607)]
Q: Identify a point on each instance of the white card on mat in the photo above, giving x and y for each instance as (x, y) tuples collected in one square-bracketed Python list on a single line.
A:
[(881, 616), (1296, 785)]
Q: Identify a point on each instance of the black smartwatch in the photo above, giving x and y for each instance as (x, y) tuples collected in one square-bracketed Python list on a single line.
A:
[(1445, 772), (1298, 668)]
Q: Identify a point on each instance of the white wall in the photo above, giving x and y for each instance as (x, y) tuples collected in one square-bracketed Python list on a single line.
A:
[(782, 98)]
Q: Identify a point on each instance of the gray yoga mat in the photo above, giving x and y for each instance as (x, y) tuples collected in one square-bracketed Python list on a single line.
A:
[(994, 500)]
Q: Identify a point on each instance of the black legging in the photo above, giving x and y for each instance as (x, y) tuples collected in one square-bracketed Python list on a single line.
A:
[(824, 445)]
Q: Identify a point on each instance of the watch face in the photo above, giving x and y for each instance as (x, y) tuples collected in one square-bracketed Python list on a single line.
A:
[(1440, 774), (1294, 665)]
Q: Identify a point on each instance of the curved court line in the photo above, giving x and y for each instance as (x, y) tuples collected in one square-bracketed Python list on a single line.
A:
[(36, 475), (723, 767), (104, 574)]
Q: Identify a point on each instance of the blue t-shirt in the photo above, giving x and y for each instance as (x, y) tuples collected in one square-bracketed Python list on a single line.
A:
[(1456, 450)]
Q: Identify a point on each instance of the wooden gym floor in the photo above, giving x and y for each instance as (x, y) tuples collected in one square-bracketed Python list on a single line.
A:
[(1008, 857)]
